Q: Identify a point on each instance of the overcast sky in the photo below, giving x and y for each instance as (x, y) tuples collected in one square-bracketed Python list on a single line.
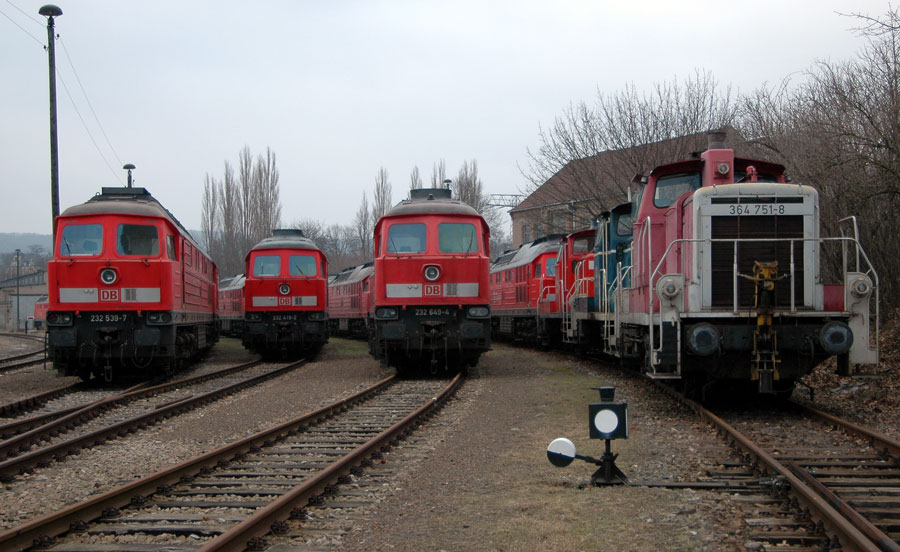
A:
[(338, 89)]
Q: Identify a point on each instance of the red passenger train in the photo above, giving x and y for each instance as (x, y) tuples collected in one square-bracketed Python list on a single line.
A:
[(131, 294), (285, 295), (431, 289), (350, 301)]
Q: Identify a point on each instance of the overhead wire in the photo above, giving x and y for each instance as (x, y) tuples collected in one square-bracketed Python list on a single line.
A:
[(68, 92)]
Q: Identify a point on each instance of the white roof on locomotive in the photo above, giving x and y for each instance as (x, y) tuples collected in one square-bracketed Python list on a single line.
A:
[(527, 252), (352, 275)]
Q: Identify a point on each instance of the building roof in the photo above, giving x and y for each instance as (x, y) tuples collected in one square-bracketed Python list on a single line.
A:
[(603, 179)]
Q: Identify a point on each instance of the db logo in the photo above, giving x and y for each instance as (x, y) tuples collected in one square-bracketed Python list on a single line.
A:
[(432, 289), (109, 295), (284, 301)]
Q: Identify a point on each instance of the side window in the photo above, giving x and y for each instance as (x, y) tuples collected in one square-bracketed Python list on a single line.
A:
[(188, 254), (170, 248), (537, 270), (406, 238)]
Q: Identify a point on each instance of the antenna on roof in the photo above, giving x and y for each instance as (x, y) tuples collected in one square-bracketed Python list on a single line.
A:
[(129, 167)]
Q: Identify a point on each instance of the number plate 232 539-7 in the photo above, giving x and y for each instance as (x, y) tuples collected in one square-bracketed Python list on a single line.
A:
[(432, 312)]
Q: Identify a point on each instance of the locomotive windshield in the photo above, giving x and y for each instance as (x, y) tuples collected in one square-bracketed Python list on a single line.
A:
[(267, 265), (406, 238), (137, 239), (81, 239), (671, 187), (457, 238), (302, 265)]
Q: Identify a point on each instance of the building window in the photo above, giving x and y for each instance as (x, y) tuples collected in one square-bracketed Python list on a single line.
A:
[(526, 233)]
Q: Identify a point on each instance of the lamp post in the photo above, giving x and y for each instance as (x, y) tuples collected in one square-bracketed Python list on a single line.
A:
[(50, 11), (18, 299)]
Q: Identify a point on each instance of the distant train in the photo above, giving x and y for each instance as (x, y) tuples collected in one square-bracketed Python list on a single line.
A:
[(40, 313), (285, 297), (431, 291), (350, 306), (131, 294), (230, 306), (712, 274)]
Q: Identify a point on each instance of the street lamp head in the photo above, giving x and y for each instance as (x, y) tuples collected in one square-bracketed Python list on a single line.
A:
[(129, 166), (50, 10)]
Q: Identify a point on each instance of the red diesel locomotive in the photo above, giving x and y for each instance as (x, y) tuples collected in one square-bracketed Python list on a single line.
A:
[(432, 290), (285, 295), (350, 301), (230, 306), (523, 293), (131, 294)]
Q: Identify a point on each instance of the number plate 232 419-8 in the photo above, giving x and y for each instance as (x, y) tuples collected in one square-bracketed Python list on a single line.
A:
[(431, 312)]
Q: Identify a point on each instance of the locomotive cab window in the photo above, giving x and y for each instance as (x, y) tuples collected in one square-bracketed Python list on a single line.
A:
[(583, 245), (81, 240), (137, 239), (551, 267), (302, 265), (670, 187), (406, 238), (267, 265), (457, 238)]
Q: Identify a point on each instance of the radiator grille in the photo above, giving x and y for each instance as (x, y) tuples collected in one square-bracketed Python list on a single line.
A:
[(755, 227)]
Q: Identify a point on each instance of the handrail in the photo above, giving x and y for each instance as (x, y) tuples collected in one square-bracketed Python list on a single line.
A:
[(657, 272)]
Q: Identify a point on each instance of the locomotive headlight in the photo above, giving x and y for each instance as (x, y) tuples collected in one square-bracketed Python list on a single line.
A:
[(860, 287), (723, 169), (317, 315), (108, 276), (386, 312), (432, 273), (478, 312), (159, 317), (668, 287), (59, 319), (284, 289)]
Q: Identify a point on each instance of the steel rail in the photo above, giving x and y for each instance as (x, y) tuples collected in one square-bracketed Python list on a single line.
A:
[(49, 424), (39, 399), (832, 519), (11, 467), (264, 521), (883, 442), (46, 528)]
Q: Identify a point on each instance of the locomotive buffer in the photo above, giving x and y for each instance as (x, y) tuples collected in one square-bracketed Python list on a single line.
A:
[(608, 420)]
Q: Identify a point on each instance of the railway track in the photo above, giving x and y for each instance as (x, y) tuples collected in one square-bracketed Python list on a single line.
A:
[(22, 360), (52, 436), (231, 498), (834, 484)]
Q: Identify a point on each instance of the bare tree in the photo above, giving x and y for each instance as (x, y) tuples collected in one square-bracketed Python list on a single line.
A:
[(438, 174), (415, 179), (382, 198), (593, 152), (839, 131), (239, 211), (364, 227)]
